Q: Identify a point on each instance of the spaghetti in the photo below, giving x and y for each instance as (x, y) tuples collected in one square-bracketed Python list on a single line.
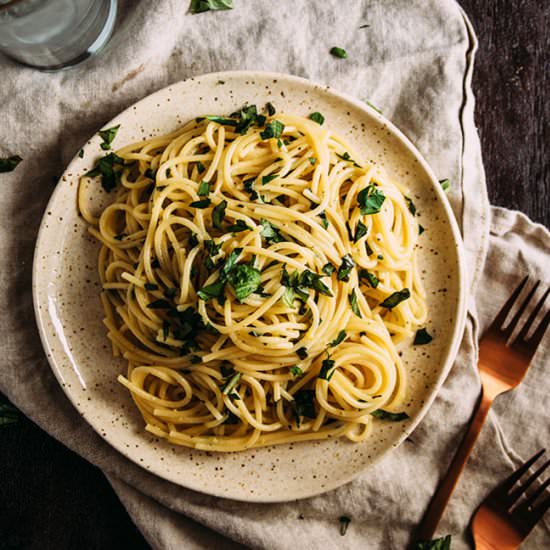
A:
[(257, 275)]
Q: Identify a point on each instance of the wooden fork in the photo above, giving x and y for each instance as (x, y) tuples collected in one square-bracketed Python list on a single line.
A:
[(503, 521), (501, 368)]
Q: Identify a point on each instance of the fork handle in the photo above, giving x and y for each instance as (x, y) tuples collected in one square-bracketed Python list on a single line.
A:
[(448, 483)]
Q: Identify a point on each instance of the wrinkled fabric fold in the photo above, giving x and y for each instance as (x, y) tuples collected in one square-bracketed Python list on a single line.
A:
[(414, 62)]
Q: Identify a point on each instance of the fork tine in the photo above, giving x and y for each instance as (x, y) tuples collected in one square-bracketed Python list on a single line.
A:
[(516, 493), (514, 322), (503, 313), (534, 341), (542, 508), (523, 333), (511, 481), (537, 493)]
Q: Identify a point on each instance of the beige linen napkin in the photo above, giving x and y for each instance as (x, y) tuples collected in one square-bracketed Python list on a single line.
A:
[(414, 62)]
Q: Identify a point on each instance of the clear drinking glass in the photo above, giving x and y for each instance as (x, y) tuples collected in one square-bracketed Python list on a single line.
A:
[(55, 34)]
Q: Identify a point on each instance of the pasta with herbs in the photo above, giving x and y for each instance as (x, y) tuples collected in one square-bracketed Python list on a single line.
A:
[(256, 274)]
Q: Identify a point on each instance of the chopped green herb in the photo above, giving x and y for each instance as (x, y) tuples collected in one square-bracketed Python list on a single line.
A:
[(249, 188), (410, 204), (370, 200), (373, 107), (312, 161), (317, 117), (370, 277), (108, 136), (345, 268), (280, 143), (420, 229), (445, 184), (150, 173), (238, 226), (386, 415), (304, 405), (326, 366), (81, 153), (8, 164), (204, 189), (267, 179), (443, 543), (204, 203), (353, 303), (270, 109), (224, 121), (270, 232), (338, 52), (339, 339), (200, 6), (214, 290), (151, 286), (231, 261), (159, 304), (380, 257), (296, 371), (396, 298), (218, 214), (344, 523), (120, 236), (301, 353), (200, 167), (229, 386), (273, 130), (324, 220), (345, 156), (109, 168), (211, 247), (247, 116), (328, 269), (422, 337), (245, 280), (360, 231), (288, 296), (195, 359)]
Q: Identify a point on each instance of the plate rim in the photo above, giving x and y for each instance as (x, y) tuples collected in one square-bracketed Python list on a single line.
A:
[(459, 312)]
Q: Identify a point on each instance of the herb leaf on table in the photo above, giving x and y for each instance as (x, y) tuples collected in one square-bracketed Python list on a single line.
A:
[(200, 6)]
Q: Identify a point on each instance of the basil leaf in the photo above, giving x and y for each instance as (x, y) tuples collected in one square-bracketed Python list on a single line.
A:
[(370, 200), (248, 115), (160, 304), (410, 204), (339, 339), (230, 262), (317, 117), (324, 220), (445, 184), (200, 167), (326, 367), (9, 164), (344, 522), (422, 337), (420, 229), (303, 405), (338, 52), (229, 386), (267, 179), (360, 232), (224, 121), (81, 153), (245, 280), (312, 161), (288, 296), (353, 303), (200, 6), (218, 214), (386, 415), (396, 298), (308, 279), (150, 173), (204, 203), (214, 290), (328, 269), (273, 130), (370, 277), (204, 189), (301, 353), (443, 543), (108, 136), (296, 371), (109, 168), (345, 268), (270, 232), (270, 109), (238, 226)]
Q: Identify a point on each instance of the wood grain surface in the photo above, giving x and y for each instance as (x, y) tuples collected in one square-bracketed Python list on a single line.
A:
[(51, 499)]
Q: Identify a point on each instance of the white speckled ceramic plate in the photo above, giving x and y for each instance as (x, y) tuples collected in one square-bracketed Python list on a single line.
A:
[(69, 314)]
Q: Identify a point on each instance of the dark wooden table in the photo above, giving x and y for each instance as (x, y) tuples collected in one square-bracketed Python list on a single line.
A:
[(52, 499)]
